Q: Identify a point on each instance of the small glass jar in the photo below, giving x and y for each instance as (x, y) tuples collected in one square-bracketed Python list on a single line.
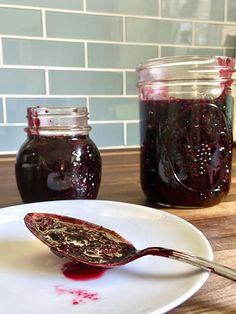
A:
[(186, 112), (58, 160)]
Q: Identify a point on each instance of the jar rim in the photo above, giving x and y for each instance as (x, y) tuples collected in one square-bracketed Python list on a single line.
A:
[(189, 68), (197, 60), (57, 110), (57, 120)]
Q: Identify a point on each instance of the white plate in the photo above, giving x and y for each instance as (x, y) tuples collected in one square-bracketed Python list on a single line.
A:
[(31, 280)]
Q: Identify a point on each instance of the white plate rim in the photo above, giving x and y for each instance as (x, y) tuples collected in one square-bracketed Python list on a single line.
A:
[(204, 276)]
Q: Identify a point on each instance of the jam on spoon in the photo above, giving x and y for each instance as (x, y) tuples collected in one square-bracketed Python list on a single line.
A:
[(94, 245)]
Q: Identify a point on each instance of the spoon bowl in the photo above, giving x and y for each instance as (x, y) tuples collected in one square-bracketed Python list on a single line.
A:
[(94, 245)]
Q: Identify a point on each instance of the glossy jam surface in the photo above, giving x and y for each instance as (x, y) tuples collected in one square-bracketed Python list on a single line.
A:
[(186, 150), (79, 240), (58, 167)]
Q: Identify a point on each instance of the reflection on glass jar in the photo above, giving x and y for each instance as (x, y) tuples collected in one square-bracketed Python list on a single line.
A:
[(186, 129), (58, 160)]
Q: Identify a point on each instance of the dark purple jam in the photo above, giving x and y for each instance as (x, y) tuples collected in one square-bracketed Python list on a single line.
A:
[(186, 150), (58, 167)]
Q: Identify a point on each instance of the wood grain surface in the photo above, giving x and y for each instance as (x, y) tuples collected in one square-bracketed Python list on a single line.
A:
[(120, 182)]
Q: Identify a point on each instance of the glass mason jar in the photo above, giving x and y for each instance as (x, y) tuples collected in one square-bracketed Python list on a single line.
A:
[(186, 112), (58, 160)]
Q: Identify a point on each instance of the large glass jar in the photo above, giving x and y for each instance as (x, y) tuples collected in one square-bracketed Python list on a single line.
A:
[(58, 160), (186, 112)]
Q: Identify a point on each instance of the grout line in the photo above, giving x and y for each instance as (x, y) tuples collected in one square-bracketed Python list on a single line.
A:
[(160, 8), (13, 124), (1, 52), (225, 10), (47, 86), (125, 133), (136, 16), (8, 153), (152, 44), (88, 103), (84, 5), (151, 17), (91, 121), (124, 83), (86, 55), (64, 68), (37, 8), (113, 121), (104, 148), (124, 28), (134, 96), (65, 96), (193, 34), (85, 12), (92, 69), (4, 107), (74, 40), (44, 24)]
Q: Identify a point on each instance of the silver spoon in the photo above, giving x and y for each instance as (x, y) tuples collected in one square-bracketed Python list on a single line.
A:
[(94, 245)]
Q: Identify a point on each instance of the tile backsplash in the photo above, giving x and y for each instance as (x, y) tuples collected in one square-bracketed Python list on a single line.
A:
[(84, 52)]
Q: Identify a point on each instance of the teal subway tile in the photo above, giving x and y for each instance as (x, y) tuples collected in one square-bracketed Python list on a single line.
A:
[(85, 82), (109, 134), (1, 111), (58, 4), (134, 7), (133, 134), (230, 52), (231, 13), (131, 83), (118, 56), (84, 26), (42, 52), (22, 81), (158, 31), (182, 51), (20, 22), (16, 107), (113, 109), (192, 9), (215, 35), (11, 138)]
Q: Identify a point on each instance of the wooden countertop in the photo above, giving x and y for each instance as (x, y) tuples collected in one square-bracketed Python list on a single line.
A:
[(120, 182)]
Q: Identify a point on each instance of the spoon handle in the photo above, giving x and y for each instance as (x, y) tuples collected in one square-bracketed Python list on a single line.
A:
[(193, 260), (205, 264)]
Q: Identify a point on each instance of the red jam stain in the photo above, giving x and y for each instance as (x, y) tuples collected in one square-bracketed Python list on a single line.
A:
[(75, 271), (80, 296), (34, 121), (80, 272)]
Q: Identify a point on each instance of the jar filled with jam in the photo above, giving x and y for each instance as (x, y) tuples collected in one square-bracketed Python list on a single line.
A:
[(186, 112), (58, 160)]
